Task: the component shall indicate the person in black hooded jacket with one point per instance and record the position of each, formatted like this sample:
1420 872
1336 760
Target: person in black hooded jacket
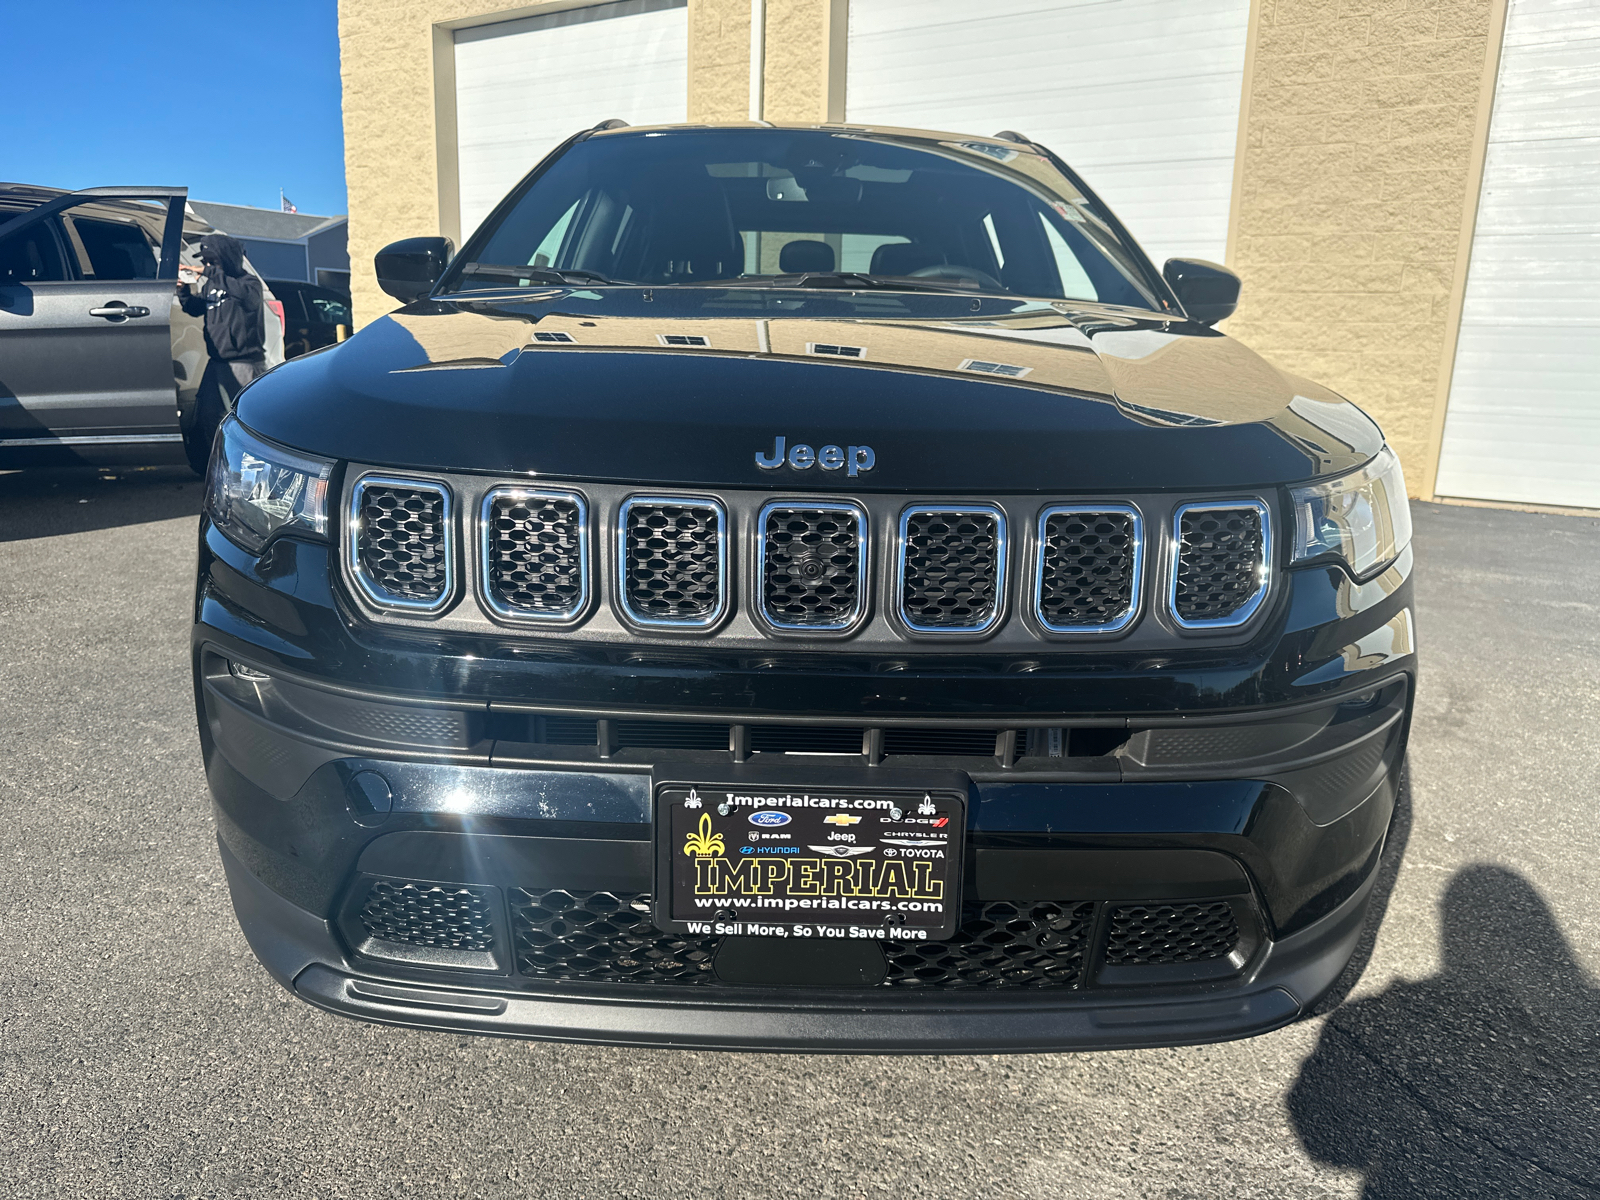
230 299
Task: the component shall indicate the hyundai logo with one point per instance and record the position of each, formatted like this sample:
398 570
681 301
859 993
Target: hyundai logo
770 818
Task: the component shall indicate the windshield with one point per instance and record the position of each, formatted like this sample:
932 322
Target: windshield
805 208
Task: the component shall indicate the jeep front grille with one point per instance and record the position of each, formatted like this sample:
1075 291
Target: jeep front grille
535 554
1089 567
401 543
812 565
757 568
1219 572
673 562
952 568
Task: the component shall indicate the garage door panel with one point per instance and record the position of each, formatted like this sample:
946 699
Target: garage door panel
1141 96
1523 421
523 87
1553 185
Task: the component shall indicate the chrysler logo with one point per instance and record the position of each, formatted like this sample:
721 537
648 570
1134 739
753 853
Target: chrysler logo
854 459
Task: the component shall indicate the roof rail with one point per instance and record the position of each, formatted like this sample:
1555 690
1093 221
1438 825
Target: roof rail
1011 135
612 123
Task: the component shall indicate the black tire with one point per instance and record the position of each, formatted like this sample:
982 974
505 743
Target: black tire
203 430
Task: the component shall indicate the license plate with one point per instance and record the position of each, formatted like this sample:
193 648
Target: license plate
808 862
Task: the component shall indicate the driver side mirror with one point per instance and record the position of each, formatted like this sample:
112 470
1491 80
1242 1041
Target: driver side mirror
1208 291
409 268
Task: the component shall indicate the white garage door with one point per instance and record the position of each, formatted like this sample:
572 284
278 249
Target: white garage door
1524 416
1141 97
523 87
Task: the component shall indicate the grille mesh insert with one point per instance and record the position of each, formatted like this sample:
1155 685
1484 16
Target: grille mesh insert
403 542
1220 555
602 936
673 561
899 739
952 569
999 945
1170 933
534 554
811 567
1088 564
445 917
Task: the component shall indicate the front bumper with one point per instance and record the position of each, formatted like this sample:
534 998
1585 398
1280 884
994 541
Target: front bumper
303 952
1255 792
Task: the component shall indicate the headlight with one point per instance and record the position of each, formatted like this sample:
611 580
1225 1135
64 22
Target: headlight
1362 518
257 490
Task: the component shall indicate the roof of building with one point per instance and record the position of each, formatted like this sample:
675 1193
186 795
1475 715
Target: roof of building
241 220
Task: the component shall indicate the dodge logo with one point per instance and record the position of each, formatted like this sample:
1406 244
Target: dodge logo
855 459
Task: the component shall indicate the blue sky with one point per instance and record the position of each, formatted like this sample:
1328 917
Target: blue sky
235 98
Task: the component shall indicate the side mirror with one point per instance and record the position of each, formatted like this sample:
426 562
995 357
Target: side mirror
409 268
1208 291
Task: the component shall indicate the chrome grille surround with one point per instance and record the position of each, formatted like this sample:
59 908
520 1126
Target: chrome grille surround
1247 608
625 561
1134 571
998 570
357 540
488 590
859 566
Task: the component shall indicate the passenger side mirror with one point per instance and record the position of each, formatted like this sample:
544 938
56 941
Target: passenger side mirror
409 268
1208 291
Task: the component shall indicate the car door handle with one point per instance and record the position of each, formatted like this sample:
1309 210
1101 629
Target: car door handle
118 310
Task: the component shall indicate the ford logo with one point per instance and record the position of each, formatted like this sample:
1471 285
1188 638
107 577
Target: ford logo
770 818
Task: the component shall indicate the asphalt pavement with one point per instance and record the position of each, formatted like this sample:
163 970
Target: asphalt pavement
143 1053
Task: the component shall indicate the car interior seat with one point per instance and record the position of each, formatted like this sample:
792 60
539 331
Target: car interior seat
804 256
902 258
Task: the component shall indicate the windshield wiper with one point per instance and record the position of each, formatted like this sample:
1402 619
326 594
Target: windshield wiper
845 280
535 274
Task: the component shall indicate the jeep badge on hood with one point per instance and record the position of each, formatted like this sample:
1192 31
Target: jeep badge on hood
855 459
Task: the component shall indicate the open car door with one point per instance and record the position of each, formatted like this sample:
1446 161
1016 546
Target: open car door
87 286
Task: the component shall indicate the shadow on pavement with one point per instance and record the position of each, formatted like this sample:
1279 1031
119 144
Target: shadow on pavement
1481 1081
51 501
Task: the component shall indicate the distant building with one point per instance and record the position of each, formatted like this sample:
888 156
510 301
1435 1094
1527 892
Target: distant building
284 245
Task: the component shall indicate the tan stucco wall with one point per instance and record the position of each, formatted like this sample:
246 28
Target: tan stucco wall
719 60
386 65
1362 148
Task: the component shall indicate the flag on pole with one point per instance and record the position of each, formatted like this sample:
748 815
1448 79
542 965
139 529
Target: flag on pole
284 203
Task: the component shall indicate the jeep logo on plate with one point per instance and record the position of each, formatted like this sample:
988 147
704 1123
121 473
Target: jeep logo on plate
855 459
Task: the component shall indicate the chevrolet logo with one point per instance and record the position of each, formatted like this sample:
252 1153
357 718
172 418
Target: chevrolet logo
841 819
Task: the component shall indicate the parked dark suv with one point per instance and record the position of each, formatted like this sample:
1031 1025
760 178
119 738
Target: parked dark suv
807 588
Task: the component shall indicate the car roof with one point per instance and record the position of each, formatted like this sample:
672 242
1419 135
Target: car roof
886 131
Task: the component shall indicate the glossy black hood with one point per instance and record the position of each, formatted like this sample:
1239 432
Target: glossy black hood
950 393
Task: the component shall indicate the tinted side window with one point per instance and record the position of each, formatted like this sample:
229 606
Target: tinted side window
328 310
115 250
31 256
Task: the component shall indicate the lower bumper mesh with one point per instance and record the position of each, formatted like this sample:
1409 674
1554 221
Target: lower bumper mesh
602 936
999 945
437 916
610 937
1170 933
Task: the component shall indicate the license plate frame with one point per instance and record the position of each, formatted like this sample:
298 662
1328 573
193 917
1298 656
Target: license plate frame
713 841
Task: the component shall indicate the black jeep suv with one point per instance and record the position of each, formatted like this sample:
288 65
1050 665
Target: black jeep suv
806 588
